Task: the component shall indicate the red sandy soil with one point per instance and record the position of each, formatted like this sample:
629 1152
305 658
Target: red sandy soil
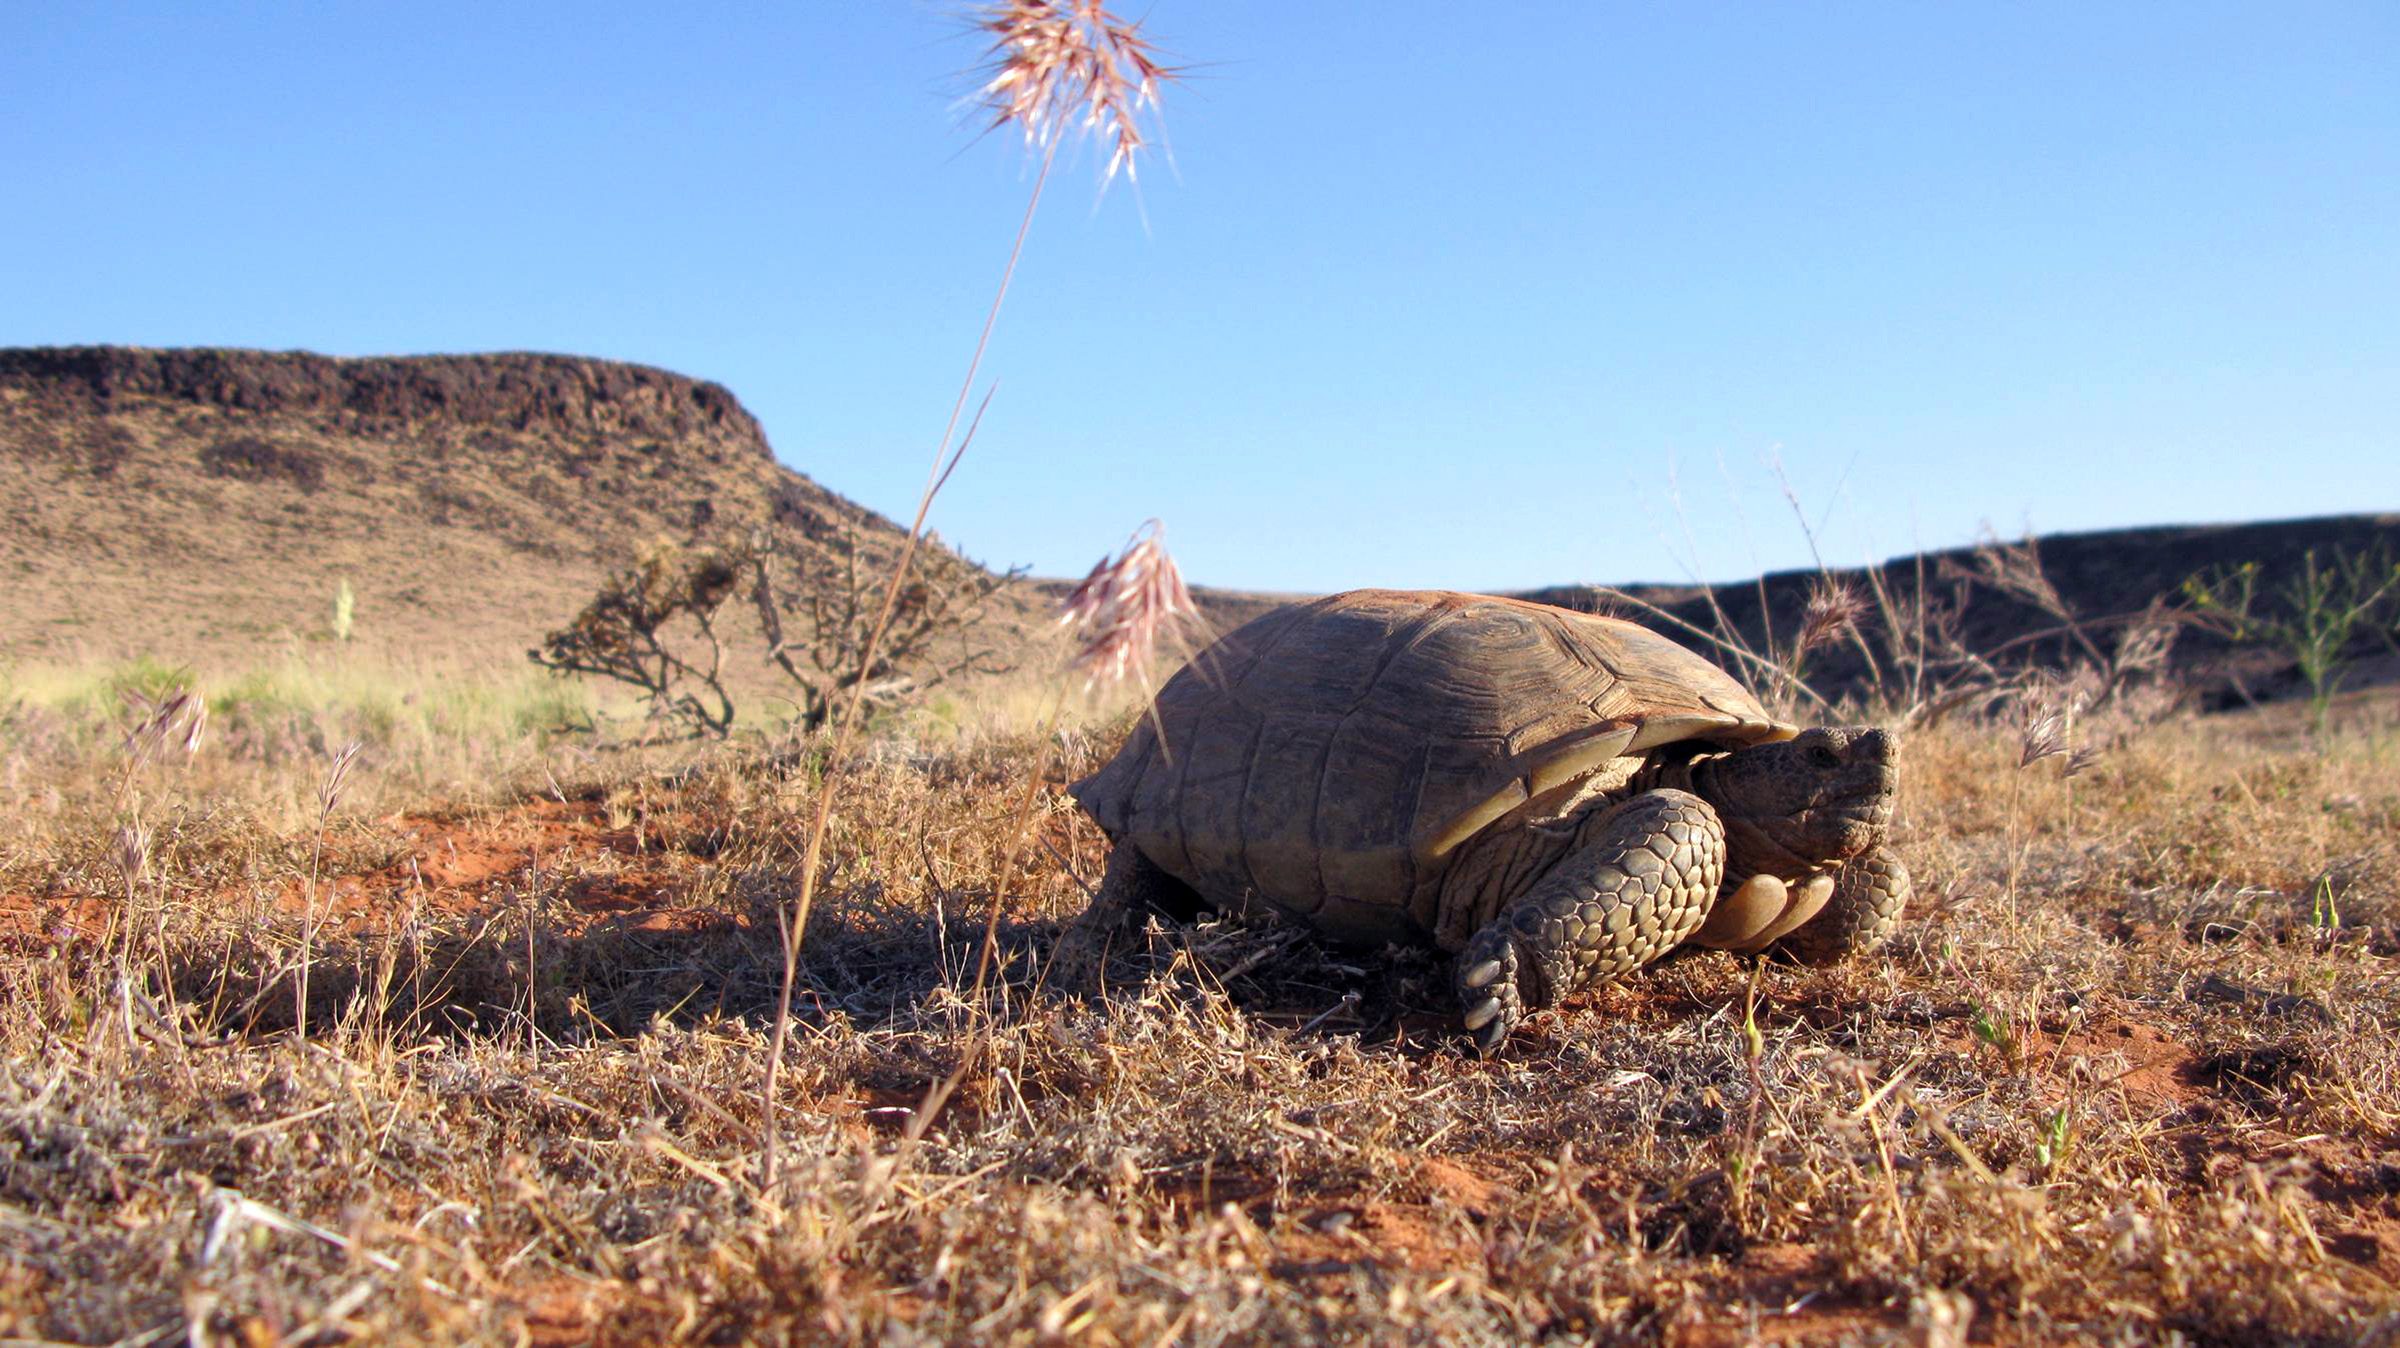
640 875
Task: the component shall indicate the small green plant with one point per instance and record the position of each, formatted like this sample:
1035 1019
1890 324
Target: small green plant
2313 616
2054 1138
1996 1033
2324 908
345 605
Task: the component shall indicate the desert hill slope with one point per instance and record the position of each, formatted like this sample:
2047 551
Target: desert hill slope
203 507
198 505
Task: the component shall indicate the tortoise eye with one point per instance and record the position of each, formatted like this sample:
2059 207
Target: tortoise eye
1822 757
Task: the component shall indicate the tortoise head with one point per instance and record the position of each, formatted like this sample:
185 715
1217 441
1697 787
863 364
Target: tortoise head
1804 803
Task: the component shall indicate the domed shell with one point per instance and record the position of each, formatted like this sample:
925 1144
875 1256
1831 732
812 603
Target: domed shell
1330 756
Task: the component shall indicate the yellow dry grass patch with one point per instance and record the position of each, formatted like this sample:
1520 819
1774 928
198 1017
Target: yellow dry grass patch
2128 1072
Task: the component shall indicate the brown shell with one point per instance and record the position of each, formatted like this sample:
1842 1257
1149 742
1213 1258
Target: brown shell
1329 756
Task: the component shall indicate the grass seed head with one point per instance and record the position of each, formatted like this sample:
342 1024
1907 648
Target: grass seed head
132 853
2045 736
178 719
1834 609
1057 66
2050 711
1125 607
329 795
2015 569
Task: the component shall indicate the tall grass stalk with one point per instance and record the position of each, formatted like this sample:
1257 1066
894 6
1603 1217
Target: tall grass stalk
329 796
175 720
1056 65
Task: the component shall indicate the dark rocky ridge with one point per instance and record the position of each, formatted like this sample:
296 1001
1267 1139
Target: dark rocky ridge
2104 578
2101 575
520 391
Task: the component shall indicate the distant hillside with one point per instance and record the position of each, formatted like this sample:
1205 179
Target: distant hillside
203 505
2101 577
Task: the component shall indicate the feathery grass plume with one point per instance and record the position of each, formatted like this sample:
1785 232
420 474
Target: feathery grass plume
2015 569
329 795
175 720
2143 645
1834 609
1062 65
132 853
179 718
2049 729
2044 734
1125 607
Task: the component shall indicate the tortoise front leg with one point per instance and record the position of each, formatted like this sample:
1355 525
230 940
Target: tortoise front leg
1642 880
1131 889
1869 892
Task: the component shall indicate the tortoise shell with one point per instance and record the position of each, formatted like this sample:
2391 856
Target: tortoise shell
1330 757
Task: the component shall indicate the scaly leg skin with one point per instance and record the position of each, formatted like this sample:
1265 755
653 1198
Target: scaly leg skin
1643 880
1868 894
1132 888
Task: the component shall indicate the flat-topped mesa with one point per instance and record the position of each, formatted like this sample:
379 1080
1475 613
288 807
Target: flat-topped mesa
524 391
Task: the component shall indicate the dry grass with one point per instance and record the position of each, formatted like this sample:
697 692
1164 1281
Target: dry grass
462 541
1126 608
1061 67
2128 1073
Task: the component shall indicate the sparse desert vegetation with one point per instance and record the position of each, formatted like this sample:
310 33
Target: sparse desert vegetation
361 982
2128 1072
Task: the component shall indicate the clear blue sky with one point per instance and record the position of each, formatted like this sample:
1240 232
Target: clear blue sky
1431 294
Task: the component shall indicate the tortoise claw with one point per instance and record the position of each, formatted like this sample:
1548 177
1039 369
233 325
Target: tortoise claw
1488 1039
1489 999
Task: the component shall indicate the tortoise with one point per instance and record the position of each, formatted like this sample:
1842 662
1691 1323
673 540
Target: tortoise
1555 798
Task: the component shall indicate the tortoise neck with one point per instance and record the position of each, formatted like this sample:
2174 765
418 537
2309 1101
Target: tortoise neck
1672 768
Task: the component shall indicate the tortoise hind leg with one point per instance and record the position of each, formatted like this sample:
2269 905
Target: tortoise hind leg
1641 879
1131 889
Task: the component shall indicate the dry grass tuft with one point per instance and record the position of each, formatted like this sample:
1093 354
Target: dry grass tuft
2130 1072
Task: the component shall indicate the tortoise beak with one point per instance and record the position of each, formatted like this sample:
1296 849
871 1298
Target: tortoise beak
1879 751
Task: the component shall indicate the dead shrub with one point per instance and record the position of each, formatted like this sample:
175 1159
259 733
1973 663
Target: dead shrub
653 627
